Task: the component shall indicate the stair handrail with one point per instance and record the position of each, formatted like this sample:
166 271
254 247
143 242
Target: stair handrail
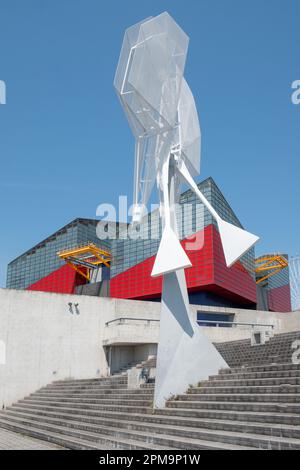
224 322
122 320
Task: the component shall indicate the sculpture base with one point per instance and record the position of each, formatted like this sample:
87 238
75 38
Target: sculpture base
185 355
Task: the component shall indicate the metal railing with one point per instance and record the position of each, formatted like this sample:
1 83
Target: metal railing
122 320
217 323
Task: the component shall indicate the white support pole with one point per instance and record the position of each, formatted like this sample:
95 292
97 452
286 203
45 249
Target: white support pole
170 256
190 181
185 355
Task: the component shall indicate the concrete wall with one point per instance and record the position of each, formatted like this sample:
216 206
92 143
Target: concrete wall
45 341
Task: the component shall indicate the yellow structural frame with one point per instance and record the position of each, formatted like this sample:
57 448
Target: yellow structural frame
271 265
84 259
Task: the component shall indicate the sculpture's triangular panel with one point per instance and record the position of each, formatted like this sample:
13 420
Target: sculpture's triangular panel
170 256
235 241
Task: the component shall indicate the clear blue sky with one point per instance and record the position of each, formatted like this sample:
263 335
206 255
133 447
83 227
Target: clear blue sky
65 145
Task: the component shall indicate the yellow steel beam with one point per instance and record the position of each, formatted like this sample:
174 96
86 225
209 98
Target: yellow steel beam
271 265
86 275
84 249
89 253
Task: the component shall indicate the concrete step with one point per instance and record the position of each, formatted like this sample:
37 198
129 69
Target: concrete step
241 397
148 385
78 389
109 378
249 382
163 435
240 389
272 407
137 408
256 415
185 415
113 384
126 394
89 406
286 335
264 368
119 439
253 363
263 350
101 401
142 422
95 381
95 388
256 375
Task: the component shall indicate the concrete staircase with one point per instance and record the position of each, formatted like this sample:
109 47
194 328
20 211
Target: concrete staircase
277 350
124 369
148 363
240 408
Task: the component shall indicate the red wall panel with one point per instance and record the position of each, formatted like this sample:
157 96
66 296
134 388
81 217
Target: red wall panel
236 279
279 299
62 281
208 272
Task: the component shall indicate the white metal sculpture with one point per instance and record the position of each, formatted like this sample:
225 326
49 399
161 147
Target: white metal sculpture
161 111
